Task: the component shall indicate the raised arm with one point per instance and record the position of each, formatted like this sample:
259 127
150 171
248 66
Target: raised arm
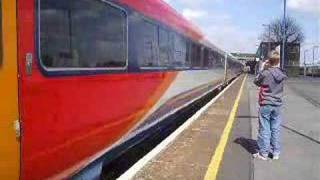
259 78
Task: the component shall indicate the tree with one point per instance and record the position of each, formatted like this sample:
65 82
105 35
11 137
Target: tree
294 33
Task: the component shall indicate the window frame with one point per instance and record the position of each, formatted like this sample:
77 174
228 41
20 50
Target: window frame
189 52
206 57
185 41
170 31
76 70
156 25
198 55
167 31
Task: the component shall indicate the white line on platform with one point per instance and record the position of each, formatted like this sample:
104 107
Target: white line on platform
130 173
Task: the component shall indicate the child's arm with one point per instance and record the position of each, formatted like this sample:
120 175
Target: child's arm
259 79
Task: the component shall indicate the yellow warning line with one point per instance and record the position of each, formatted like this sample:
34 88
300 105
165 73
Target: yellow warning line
214 165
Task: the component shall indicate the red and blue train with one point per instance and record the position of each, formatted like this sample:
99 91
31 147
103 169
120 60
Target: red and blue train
82 79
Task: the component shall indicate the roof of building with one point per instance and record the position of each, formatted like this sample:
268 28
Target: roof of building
244 55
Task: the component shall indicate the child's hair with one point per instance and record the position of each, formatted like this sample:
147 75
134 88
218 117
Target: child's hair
274 58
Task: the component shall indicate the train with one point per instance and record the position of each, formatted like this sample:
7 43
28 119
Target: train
84 80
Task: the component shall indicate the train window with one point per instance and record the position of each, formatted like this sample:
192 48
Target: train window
180 51
199 56
164 48
82 34
189 53
196 56
217 62
211 59
205 57
148 44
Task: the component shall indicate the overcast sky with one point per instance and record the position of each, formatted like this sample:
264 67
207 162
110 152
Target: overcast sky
235 25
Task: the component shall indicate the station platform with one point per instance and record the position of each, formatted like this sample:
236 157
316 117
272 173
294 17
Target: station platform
218 141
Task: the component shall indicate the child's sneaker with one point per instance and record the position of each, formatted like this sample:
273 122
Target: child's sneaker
275 156
259 156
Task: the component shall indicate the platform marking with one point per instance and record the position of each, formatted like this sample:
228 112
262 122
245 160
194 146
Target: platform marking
214 165
130 173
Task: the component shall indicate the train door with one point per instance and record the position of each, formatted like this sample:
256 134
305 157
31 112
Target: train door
9 124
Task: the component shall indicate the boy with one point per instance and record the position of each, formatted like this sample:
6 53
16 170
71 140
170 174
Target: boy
270 80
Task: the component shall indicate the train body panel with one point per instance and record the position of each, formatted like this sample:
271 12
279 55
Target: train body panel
85 88
184 87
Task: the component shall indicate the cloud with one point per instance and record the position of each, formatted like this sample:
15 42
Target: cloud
220 29
187 3
217 25
230 37
192 14
306 6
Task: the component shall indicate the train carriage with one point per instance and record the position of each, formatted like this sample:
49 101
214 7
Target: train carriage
81 78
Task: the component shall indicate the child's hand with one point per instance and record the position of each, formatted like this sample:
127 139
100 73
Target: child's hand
266 65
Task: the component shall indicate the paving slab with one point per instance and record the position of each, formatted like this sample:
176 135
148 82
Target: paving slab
302 97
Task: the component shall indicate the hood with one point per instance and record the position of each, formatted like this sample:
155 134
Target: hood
278 74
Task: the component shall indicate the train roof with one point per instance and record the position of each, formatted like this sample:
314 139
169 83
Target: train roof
161 11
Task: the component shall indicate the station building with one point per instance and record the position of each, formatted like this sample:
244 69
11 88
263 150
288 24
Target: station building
247 59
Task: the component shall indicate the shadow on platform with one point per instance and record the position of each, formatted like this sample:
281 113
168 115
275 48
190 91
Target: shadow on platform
248 144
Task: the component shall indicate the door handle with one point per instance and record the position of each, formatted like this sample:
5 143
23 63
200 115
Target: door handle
29 59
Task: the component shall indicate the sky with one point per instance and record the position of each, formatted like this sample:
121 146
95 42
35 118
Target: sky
236 25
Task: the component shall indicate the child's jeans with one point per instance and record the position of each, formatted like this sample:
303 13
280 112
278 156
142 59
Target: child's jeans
269 130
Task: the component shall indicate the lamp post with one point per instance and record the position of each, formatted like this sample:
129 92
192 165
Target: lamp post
269 36
225 67
304 63
313 65
284 33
